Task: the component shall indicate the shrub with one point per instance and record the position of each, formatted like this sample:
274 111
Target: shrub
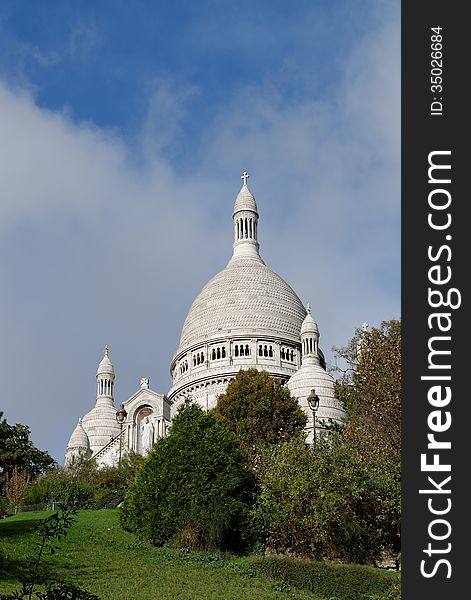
321 502
84 485
193 488
336 582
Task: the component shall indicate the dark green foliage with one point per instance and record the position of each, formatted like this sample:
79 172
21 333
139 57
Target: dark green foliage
193 488
84 486
336 582
56 590
16 449
320 502
260 411
371 391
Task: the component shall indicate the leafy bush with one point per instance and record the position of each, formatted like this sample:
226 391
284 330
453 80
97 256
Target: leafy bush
321 502
336 582
83 485
193 489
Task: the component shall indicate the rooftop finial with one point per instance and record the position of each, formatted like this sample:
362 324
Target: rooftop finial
245 176
309 307
107 350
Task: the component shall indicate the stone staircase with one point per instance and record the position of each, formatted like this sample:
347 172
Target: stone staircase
111 445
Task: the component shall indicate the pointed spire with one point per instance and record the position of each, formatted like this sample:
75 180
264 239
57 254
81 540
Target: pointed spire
105 366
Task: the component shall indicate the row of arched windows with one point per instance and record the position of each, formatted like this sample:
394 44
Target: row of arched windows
287 354
246 228
218 353
241 350
265 351
198 359
183 367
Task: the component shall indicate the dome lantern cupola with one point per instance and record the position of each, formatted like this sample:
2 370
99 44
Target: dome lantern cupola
310 338
105 379
245 218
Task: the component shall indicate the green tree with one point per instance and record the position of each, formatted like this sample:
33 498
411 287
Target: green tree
371 392
318 502
16 487
193 489
259 410
343 498
17 450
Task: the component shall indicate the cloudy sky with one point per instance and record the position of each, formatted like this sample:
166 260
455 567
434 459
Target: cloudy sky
124 129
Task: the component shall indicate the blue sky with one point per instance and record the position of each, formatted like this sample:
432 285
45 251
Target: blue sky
124 128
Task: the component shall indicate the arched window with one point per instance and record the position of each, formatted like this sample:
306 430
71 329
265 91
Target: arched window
218 353
292 356
236 350
265 351
270 352
260 351
282 354
194 361
310 344
247 350
213 354
223 352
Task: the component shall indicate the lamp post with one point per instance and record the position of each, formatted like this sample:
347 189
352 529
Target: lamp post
121 415
313 401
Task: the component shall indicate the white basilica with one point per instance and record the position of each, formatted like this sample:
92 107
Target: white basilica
245 316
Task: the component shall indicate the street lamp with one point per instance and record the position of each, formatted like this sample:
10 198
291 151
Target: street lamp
313 401
121 415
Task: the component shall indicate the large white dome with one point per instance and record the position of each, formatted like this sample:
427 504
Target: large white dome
245 297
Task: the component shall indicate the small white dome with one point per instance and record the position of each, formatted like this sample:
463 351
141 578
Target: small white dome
100 425
105 367
245 201
312 376
309 325
79 438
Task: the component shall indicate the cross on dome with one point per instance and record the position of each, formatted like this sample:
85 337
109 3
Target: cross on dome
245 176
309 307
107 350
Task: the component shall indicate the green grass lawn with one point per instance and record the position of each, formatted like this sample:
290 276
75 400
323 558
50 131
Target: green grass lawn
102 558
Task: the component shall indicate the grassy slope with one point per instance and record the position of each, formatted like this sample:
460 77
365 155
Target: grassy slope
105 560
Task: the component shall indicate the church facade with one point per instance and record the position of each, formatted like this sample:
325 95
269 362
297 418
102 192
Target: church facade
246 316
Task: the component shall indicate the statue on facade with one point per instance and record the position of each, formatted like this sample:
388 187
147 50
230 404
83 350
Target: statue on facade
147 435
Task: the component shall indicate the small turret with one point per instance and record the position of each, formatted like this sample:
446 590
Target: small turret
105 379
245 218
310 338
